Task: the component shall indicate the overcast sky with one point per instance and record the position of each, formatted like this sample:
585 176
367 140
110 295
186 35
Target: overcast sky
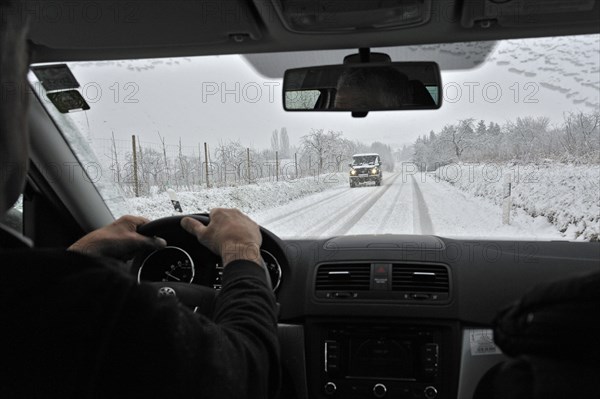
184 97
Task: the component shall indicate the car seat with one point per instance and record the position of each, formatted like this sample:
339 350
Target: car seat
552 335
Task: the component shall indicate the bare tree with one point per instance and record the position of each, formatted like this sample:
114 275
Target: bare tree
342 151
385 152
115 161
284 143
459 137
275 141
165 159
525 136
581 133
184 166
322 145
232 156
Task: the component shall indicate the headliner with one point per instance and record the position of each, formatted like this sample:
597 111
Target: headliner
64 30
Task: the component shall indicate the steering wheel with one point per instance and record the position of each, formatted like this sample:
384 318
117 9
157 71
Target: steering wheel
185 268
198 297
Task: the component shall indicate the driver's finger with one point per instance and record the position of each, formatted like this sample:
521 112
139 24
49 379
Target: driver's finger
140 220
143 220
155 242
131 222
130 247
193 226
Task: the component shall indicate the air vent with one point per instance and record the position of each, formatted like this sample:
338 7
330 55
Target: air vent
343 277
430 279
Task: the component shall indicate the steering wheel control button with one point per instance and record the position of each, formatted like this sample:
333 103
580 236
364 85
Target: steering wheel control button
330 388
166 291
379 390
430 392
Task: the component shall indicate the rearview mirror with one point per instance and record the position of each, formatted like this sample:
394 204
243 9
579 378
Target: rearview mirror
363 87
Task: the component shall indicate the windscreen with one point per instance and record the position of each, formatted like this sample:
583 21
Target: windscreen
364 159
513 152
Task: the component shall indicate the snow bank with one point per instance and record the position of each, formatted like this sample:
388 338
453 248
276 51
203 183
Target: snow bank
248 198
567 195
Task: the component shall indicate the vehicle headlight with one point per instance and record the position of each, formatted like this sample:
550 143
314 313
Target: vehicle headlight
374 171
353 172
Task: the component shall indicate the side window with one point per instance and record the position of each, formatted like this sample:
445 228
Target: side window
14 216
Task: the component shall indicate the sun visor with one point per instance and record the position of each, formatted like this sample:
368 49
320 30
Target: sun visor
77 25
449 56
60 86
523 13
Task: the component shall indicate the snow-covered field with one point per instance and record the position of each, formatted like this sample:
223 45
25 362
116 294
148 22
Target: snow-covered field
568 196
550 201
248 198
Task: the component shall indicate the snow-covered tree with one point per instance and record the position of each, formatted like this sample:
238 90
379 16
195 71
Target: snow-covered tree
581 135
527 139
319 144
275 141
385 152
284 143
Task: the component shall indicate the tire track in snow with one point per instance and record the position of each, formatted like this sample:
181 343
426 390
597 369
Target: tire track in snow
421 220
304 208
360 212
322 227
390 211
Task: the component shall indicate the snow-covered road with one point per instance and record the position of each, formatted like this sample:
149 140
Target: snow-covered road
403 204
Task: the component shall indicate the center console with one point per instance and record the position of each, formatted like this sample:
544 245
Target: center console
379 360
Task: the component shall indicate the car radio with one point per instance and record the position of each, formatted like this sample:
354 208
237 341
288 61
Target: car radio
366 361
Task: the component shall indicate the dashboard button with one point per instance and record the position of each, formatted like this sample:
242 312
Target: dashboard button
430 349
429 357
331 356
430 392
330 388
379 390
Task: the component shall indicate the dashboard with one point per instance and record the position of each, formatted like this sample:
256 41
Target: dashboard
386 316
405 316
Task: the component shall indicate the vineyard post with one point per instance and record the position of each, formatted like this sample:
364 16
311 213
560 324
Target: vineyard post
276 165
296 163
248 163
206 161
135 168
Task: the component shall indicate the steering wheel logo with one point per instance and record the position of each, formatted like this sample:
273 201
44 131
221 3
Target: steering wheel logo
166 291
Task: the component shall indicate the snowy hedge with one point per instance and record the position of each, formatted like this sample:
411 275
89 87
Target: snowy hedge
567 195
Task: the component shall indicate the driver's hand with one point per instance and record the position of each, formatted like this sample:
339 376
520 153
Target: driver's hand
119 240
230 234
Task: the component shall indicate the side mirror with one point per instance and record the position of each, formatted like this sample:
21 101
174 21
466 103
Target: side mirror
350 164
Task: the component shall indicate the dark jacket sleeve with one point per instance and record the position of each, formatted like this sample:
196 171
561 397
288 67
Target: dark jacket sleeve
245 348
82 328
233 355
